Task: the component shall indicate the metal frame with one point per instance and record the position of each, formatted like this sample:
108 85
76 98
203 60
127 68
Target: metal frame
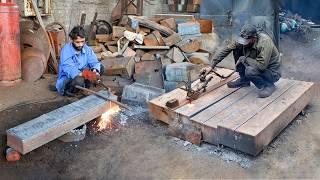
44 7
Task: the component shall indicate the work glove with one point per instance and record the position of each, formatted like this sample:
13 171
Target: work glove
92 76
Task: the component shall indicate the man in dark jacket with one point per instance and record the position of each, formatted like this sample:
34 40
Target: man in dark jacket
257 60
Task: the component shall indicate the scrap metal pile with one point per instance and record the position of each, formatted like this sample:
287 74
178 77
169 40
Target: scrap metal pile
164 51
160 51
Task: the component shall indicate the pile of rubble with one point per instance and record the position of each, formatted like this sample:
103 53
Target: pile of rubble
157 54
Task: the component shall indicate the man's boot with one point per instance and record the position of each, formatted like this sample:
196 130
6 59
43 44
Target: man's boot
241 82
267 91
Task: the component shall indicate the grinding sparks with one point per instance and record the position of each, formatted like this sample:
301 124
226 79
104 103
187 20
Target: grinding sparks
190 105
105 120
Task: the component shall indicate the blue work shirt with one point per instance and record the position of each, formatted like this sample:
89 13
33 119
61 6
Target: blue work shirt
73 63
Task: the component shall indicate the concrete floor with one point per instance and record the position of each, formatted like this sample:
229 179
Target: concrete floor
140 148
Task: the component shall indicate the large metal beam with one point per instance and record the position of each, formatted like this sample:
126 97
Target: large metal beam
39 131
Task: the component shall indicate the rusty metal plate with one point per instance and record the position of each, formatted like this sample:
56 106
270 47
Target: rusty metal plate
149 73
32 35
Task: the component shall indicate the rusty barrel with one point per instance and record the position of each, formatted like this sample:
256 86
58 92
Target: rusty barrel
10 58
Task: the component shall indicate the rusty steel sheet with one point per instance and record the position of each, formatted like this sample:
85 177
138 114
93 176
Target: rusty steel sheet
33 64
149 73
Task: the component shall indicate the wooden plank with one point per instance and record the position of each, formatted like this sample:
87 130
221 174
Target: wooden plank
239 113
189 111
212 85
210 134
158 109
253 136
206 101
39 131
217 107
157 106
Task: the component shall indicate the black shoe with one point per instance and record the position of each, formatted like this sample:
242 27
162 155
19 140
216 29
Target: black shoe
239 83
266 91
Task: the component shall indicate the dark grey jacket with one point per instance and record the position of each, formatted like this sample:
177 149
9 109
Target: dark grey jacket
262 55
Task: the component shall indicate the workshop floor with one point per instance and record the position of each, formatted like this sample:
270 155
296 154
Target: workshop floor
140 148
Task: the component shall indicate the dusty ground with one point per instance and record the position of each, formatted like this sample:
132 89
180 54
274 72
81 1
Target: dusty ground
139 148
301 55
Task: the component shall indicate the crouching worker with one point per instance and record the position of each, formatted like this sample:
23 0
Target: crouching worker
78 64
256 58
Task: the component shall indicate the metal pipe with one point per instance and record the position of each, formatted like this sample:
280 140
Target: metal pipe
103 97
276 28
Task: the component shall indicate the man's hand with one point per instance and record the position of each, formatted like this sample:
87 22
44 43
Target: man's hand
90 75
242 59
206 70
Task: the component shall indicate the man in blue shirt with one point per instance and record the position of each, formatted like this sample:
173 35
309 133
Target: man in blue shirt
76 60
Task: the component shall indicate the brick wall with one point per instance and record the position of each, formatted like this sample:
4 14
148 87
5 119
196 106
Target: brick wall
68 12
